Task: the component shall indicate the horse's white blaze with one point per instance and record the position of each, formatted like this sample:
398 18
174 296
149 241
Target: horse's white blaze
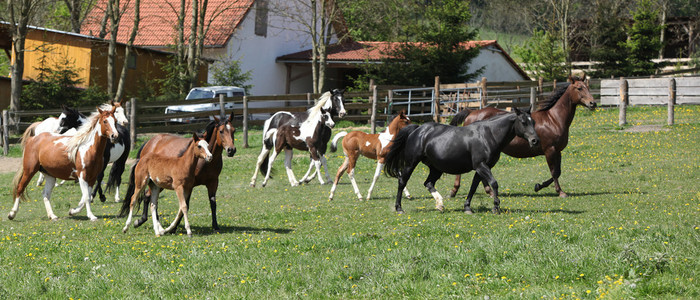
120 116
205 147
112 125
385 137
228 127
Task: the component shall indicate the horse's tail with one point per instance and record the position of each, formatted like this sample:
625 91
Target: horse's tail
268 143
15 183
338 136
28 133
115 174
126 204
395 160
458 119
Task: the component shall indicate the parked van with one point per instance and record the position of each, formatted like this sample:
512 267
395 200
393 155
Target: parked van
207 92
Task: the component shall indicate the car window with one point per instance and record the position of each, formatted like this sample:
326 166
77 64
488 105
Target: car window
197 94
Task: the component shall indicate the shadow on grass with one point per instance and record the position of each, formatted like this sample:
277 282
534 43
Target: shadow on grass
207 230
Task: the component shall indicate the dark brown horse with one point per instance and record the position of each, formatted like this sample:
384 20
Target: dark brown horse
219 135
552 122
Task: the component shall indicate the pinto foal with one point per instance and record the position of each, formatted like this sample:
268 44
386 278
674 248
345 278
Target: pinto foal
165 172
373 146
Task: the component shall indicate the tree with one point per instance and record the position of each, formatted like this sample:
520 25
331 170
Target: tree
370 20
543 56
228 72
440 50
607 32
643 43
77 9
315 19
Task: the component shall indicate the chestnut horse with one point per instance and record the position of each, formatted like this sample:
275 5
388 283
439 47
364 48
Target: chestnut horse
219 135
372 146
65 157
552 122
307 136
166 172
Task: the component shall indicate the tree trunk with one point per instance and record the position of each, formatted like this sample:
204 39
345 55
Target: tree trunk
127 54
191 49
113 8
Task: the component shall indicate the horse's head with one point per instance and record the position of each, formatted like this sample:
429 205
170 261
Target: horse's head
399 122
326 118
225 135
201 148
107 124
70 118
338 105
579 93
525 127
119 113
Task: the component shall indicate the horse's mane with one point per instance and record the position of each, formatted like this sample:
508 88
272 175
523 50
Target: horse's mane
323 102
556 95
210 131
182 152
83 135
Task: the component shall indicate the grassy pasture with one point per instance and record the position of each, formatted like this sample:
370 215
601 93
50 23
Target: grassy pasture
629 228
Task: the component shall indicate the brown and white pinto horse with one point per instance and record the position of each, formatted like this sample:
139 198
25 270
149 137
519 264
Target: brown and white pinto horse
372 146
65 157
552 122
306 136
219 135
166 172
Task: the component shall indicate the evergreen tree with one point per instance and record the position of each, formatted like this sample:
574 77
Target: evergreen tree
643 43
606 35
543 56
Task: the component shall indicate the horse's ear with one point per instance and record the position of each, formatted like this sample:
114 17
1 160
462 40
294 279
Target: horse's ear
100 110
63 107
230 117
518 111
216 119
195 137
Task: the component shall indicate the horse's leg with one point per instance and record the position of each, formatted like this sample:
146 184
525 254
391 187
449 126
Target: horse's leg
181 195
351 174
40 180
316 159
377 171
98 186
211 191
404 176
472 190
138 185
270 160
485 173
263 153
339 174
144 213
554 162
288 154
455 189
308 176
429 183
153 205
48 188
26 176
85 199
324 163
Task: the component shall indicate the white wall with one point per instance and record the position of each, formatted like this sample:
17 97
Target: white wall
498 68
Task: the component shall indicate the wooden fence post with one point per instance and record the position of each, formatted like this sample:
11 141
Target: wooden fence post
5 132
533 99
245 122
222 111
390 101
623 102
436 100
308 98
671 100
484 94
132 123
373 116
540 86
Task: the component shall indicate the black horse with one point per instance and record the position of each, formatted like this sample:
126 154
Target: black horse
456 150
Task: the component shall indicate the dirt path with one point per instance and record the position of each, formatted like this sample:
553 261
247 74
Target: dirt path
9 164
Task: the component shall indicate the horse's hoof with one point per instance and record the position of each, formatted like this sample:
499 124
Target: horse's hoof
103 198
400 212
496 211
563 195
366 199
468 211
453 194
125 229
10 216
70 212
538 187
93 219
441 208
252 184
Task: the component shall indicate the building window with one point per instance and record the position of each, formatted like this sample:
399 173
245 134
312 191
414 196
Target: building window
261 18
131 63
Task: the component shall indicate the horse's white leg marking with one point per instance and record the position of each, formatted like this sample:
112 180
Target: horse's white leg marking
377 172
405 191
317 163
342 169
324 163
50 181
438 201
157 227
288 165
269 167
84 200
13 211
308 176
116 194
261 157
40 180
354 184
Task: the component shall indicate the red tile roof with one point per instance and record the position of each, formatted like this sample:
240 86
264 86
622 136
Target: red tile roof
158 20
361 51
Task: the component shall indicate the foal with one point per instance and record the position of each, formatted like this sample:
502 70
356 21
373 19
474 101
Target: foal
372 146
305 136
165 172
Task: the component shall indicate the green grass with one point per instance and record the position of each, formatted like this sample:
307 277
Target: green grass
630 228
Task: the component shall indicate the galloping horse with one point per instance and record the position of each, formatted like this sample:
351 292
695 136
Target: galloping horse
219 135
552 122
166 172
456 150
307 136
331 101
77 157
116 153
372 146
65 123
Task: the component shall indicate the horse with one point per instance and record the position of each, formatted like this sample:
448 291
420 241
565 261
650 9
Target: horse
219 135
456 150
552 120
331 101
68 119
372 146
77 157
306 136
166 172
116 153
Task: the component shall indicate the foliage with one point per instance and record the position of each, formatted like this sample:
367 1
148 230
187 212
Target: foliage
4 65
439 50
543 56
607 33
228 72
370 20
627 230
176 82
644 43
